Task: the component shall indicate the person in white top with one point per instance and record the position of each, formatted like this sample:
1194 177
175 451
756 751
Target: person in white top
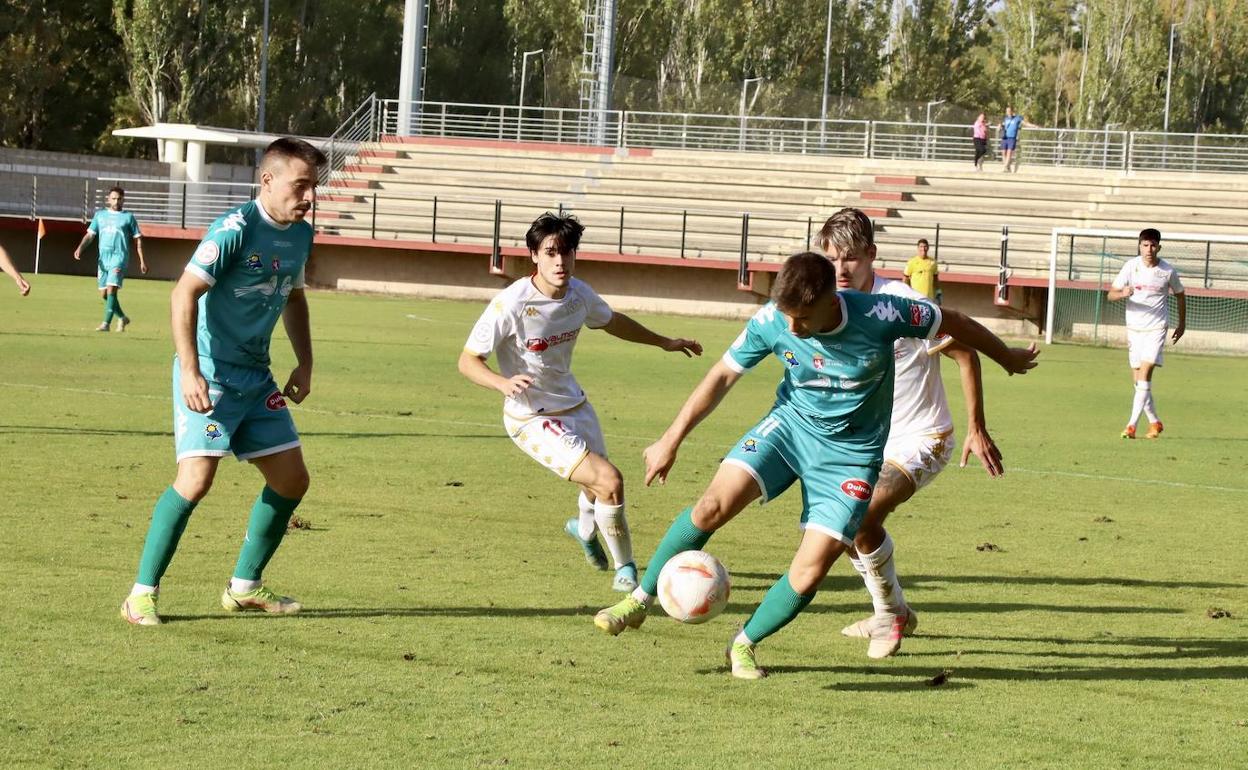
532 326
1146 283
920 444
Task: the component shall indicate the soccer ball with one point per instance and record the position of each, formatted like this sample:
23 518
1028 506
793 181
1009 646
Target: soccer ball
693 587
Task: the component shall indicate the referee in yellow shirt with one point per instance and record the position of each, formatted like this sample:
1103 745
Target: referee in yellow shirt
921 272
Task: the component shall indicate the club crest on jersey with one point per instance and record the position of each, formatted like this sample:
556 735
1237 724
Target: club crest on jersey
750 445
207 253
789 358
858 489
920 314
885 311
818 362
212 431
275 402
254 263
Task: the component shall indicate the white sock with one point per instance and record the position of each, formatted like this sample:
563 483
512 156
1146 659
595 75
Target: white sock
614 528
1150 408
139 588
741 638
640 595
240 586
585 521
1137 406
880 575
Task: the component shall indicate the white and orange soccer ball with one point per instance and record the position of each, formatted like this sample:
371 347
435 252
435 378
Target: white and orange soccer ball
694 587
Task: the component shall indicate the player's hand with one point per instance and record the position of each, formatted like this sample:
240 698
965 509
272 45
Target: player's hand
299 384
1178 333
1020 360
143 267
22 286
659 458
981 444
690 348
1127 291
514 386
195 392
78 253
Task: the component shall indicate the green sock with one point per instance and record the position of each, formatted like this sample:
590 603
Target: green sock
110 307
168 523
117 305
780 605
265 530
683 535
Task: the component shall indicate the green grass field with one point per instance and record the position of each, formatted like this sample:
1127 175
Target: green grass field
448 619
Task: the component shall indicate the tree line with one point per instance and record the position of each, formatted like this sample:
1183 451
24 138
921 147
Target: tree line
80 69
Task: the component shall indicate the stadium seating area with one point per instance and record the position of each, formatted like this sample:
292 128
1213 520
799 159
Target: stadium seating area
675 203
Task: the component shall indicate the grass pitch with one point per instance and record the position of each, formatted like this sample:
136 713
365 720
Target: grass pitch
448 619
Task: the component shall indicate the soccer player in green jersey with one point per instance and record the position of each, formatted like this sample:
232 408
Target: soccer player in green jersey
827 427
115 229
246 273
9 269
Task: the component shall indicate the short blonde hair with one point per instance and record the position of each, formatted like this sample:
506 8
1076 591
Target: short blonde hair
849 230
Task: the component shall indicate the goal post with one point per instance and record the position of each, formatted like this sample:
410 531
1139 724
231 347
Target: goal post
1083 263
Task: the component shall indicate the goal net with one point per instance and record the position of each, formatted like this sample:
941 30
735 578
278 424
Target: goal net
1084 262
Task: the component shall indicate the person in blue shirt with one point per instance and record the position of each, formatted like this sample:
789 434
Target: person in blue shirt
1010 126
246 273
827 427
116 230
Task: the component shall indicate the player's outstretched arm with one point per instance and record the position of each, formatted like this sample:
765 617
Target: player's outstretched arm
661 455
977 441
298 325
972 333
6 264
475 369
87 238
184 305
1180 301
629 330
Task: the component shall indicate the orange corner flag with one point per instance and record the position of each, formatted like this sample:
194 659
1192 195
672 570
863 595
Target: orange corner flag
42 229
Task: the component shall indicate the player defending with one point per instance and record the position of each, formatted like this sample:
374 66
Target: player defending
1145 282
246 273
827 427
9 269
115 229
533 325
920 436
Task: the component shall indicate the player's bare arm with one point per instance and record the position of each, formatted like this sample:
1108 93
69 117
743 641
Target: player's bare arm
9 269
661 455
629 330
185 310
972 333
138 249
478 372
1180 301
299 330
977 441
86 239
1113 295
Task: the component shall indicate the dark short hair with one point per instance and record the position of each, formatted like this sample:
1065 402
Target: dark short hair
117 189
923 241
1150 234
566 228
288 147
803 280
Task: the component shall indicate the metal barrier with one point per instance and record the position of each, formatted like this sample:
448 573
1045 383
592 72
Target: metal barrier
361 126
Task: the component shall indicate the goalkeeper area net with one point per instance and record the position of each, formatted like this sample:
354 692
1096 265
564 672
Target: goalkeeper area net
1213 268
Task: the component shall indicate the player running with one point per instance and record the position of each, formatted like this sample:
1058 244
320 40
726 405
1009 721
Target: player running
533 326
827 427
1145 282
115 229
920 435
246 273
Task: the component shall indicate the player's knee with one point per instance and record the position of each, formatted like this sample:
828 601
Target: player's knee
194 481
295 483
805 578
869 535
710 513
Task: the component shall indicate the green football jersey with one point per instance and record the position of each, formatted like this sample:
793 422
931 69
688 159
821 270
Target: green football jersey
842 380
115 230
251 264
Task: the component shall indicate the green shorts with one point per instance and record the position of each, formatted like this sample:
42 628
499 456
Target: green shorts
838 470
110 271
249 418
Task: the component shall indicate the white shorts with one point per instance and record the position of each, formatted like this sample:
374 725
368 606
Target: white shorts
1146 347
558 441
921 457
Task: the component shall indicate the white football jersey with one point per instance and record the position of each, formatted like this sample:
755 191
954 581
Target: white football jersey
919 403
1147 307
533 334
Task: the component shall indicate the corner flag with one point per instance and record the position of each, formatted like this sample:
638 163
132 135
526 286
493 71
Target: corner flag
42 231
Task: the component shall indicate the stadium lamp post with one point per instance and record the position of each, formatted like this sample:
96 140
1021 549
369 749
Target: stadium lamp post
524 71
927 126
1165 126
745 84
827 55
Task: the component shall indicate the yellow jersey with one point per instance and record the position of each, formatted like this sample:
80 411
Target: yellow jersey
922 274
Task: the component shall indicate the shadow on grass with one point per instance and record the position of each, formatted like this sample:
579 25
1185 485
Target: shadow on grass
399 612
58 430
1156 648
846 582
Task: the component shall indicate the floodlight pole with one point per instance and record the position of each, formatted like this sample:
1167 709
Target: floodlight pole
827 55
524 71
1169 65
264 76
745 84
927 126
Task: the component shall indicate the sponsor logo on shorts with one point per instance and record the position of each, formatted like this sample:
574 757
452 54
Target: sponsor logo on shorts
538 344
789 358
920 314
275 402
569 440
212 431
254 263
207 253
750 445
116 271
857 489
